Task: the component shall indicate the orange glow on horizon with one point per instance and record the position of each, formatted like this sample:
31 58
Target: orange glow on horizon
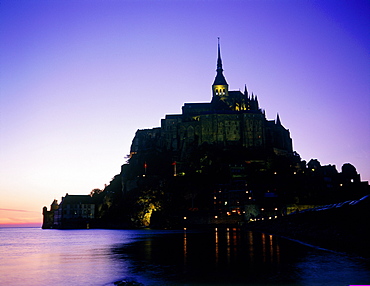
11 217
29 224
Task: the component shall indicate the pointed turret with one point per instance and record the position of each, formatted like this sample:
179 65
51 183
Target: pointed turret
278 120
220 87
256 100
246 92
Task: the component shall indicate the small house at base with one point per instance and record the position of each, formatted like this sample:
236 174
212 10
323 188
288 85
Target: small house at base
74 211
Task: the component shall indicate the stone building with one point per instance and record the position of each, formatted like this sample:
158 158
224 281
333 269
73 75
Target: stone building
48 216
232 118
74 211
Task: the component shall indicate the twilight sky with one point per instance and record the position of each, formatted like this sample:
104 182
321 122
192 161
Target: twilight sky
78 78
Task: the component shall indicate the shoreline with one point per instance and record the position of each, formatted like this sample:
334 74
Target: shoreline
342 230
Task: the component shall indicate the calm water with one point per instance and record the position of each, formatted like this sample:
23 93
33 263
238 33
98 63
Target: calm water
31 256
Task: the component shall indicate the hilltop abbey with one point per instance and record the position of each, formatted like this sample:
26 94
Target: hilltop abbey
220 162
231 119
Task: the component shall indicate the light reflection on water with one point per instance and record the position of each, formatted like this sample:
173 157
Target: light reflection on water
30 256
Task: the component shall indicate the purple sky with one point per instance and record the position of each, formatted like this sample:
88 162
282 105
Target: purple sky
78 78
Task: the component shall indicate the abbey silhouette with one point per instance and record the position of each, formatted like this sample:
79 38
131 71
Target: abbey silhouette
232 118
218 162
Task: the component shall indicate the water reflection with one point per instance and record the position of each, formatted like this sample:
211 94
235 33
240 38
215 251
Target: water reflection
229 256
184 257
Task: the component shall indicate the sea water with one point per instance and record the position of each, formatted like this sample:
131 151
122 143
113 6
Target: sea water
32 256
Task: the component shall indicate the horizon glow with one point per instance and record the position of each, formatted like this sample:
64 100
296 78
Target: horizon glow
78 78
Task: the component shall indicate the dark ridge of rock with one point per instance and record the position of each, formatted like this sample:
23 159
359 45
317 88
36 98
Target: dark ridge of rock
343 229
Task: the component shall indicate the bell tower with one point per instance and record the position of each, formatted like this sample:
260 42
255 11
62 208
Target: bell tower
220 88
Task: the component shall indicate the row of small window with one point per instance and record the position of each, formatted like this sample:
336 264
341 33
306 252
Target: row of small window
78 206
76 212
220 91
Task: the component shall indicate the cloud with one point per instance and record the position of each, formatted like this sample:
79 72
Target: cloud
13 210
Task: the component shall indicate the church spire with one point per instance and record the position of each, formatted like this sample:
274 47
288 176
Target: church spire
220 79
219 61
220 88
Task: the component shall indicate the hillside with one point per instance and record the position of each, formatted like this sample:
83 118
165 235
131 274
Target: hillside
341 228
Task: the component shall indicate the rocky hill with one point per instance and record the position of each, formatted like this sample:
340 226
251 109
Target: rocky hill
342 227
